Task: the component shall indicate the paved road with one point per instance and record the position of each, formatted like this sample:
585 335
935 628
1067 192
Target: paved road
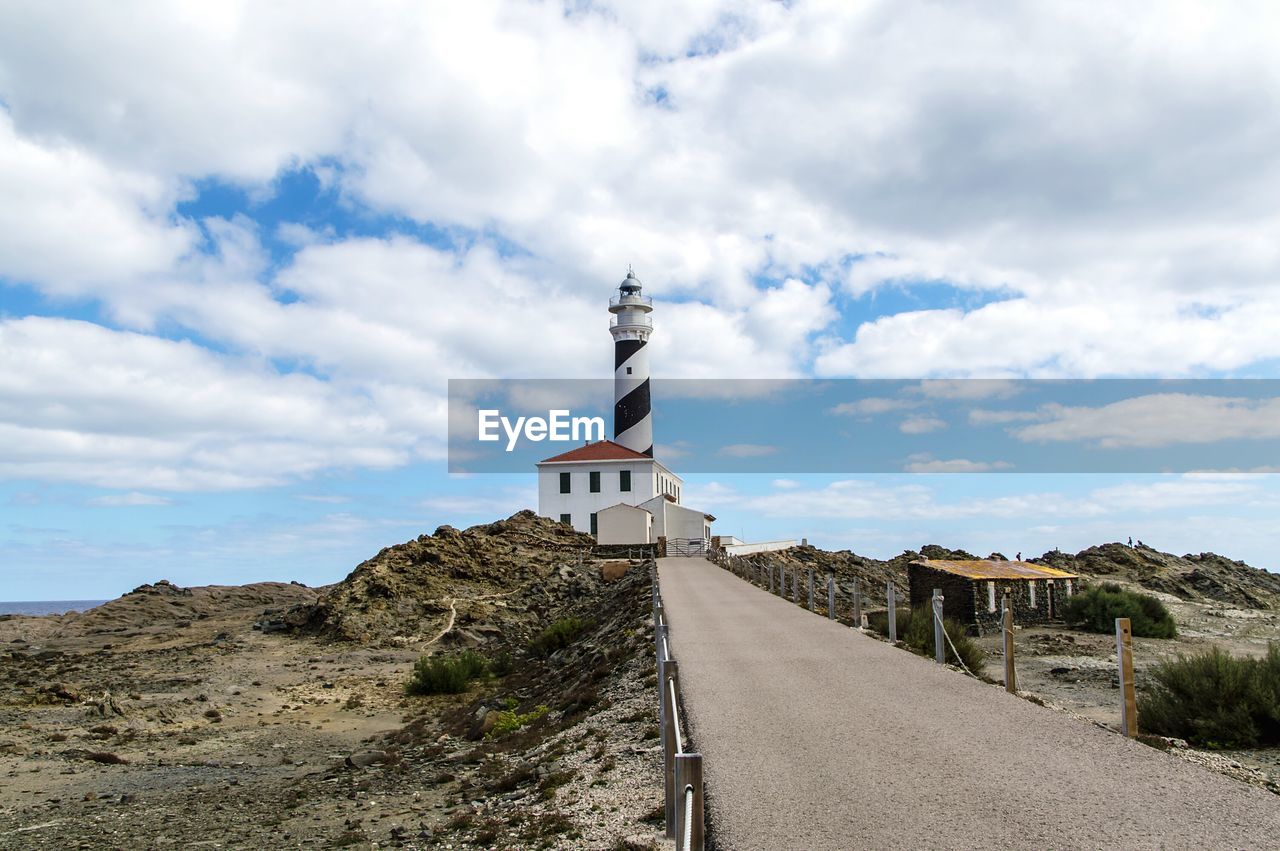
815 736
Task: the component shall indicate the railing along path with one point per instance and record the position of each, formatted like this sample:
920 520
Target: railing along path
682 771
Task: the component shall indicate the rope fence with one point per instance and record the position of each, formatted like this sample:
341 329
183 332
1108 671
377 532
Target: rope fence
773 578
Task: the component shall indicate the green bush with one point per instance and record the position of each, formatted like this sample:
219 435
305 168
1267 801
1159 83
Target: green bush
915 629
918 636
1215 700
509 720
446 674
1096 608
559 635
879 622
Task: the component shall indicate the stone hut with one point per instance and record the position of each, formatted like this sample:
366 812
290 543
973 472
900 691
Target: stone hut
974 590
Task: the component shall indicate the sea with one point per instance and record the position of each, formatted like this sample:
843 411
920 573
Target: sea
46 607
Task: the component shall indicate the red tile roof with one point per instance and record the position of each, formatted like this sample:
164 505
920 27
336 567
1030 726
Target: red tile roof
601 450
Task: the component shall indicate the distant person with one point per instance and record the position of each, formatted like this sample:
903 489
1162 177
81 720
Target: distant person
1130 540
1019 556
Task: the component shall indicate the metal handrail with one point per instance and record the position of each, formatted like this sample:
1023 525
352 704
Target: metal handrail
675 720
686 841
682 771
623 300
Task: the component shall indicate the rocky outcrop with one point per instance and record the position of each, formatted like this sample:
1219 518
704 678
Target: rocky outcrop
1203 577
1207 576
464 587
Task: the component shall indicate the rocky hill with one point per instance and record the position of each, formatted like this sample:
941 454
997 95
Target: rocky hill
1207 576
1204 577
464 587
158 610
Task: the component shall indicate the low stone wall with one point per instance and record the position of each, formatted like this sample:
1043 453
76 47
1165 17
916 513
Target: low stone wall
762 547
635 551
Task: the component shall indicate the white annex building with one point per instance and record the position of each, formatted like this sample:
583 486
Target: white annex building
615 489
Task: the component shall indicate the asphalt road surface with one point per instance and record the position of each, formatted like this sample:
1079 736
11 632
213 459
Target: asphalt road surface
815 736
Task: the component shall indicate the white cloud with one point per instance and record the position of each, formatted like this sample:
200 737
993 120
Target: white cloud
1159 419
869 499
967 389
980 416
747 450
74 226
927 464
1110 177
921 425
116 409
134 498
502 504
671 451
873 405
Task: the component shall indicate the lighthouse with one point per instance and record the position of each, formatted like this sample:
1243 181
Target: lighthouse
631 327
615 489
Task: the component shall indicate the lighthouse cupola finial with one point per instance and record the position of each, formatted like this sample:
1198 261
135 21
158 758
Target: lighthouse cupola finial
631 327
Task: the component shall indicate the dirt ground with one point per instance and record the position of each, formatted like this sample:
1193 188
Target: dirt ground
226 734
166 719
1077 671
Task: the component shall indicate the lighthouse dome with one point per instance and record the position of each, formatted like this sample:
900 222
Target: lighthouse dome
630 284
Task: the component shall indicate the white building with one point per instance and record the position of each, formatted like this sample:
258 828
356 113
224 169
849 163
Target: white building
580 485
674 521
575 486
624 524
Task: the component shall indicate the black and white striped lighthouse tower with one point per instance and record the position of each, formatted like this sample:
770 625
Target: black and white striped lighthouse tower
631 327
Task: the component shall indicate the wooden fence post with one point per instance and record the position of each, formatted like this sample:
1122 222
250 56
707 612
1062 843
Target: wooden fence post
811 607
939 640
795 585
893 611
689 775
1010 675
669 745
1129 704
831 596
857 604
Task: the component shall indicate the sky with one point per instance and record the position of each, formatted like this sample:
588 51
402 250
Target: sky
244 247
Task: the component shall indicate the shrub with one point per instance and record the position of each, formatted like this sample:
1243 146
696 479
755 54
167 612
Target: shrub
1215 700
1096 608
915 629
879 622
446 674
918 636
509 721
559 635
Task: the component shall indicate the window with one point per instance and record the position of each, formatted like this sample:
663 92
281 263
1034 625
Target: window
567 519
564 483
624 480
594 485
991 596
594 526
1031 590
628 370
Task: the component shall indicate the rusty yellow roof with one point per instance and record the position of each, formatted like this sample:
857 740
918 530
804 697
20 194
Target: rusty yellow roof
984 569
